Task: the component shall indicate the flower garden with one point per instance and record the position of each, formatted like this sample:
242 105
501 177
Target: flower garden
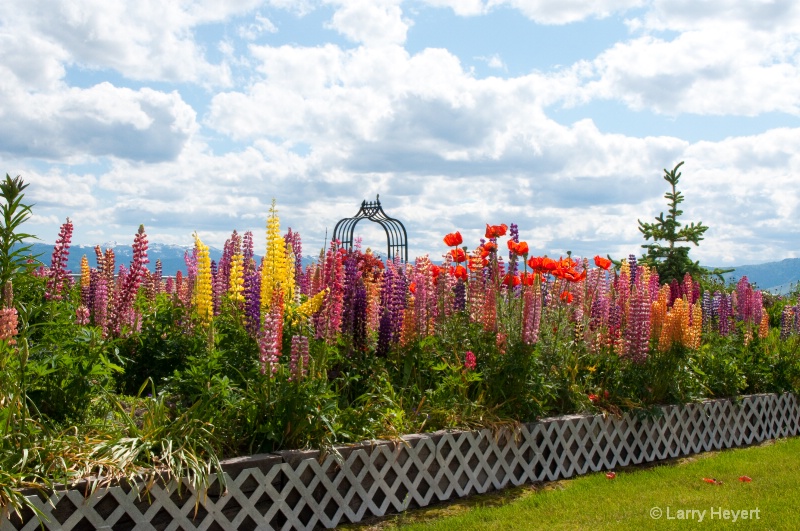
125 370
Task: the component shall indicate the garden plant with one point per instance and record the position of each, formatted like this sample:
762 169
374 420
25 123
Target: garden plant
125 371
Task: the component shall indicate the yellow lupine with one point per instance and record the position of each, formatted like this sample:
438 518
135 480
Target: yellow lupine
86 275
202 296
236 284
310 307
275 267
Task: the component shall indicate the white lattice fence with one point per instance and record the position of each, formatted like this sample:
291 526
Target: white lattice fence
295 490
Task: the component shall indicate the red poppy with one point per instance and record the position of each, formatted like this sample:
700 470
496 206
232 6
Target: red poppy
592 397
566 296
490 246
458 255
453 239
549 265
602 263
435 270
528 279
459 272
412 287
511 280
495 231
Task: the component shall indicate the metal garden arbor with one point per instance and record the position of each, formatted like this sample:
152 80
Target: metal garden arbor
397 239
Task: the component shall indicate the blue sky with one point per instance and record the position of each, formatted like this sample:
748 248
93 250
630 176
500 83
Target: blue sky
557 116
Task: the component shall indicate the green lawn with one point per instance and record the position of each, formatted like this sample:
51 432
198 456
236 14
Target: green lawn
656 497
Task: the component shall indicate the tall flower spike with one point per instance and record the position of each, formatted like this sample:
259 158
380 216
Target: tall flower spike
203 289
58 266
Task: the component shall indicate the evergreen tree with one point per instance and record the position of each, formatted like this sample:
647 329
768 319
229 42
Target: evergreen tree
671 260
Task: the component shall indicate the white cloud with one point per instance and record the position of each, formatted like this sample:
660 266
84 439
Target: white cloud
99 121
370 22
566 11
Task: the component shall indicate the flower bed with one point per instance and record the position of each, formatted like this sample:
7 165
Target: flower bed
296 490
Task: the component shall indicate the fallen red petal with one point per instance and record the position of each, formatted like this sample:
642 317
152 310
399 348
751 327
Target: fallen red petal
611 475
746 479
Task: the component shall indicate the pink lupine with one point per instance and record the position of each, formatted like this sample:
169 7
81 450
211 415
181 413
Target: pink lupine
57 275
298 363
470 363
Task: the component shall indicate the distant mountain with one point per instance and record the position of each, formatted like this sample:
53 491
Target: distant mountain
171 255
777 277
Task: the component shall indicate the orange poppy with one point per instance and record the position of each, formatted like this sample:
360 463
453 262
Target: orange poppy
495 231
458 255
602 263
412 287
519 248
535 263
490 246
459 272
453 239
528 279
511 280
566 296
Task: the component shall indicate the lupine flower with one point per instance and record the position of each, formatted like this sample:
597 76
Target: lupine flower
272 337
8 325
203 289
275 272
252 297
470 363
57 275
298 361
82 315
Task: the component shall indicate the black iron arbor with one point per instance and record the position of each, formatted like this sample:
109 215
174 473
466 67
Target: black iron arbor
396 237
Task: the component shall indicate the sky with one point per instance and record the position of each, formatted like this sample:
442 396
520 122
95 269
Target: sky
561 117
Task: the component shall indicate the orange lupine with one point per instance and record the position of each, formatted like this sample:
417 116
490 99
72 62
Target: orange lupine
602 263
495 231
453 239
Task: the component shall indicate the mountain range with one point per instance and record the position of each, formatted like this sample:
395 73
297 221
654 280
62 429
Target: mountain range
776 277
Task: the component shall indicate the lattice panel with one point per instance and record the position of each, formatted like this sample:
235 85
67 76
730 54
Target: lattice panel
297 490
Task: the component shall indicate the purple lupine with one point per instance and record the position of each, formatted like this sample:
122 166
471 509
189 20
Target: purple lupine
459 296
637 329
58 274
247 247
513 235
219 286
354 304
252 296
634 268
724 313
393 296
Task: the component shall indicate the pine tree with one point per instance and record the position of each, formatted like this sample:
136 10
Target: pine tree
672 260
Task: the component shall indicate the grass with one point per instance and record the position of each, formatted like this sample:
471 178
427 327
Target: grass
627 501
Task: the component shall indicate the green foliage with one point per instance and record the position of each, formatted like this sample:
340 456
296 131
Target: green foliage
672 260
13 213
